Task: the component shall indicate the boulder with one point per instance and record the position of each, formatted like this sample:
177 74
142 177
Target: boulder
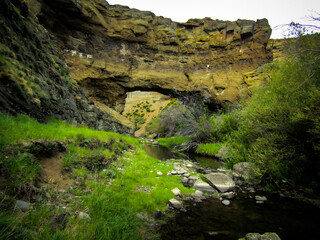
244 170
203 186
220 181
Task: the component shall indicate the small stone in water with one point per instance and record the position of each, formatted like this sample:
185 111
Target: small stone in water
260 198
228 195
226 202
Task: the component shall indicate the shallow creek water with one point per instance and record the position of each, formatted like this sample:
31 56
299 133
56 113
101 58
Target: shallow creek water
289 218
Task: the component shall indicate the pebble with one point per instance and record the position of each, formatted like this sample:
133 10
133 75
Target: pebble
159 173
175 203
84 216
228 195
22 205
226 202
176 191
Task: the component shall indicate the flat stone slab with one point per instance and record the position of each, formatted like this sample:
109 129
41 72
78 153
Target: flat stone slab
203 186
221 181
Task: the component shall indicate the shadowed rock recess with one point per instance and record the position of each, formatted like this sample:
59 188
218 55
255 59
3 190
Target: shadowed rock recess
110 50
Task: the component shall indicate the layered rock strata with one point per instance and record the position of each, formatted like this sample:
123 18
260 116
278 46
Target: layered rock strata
112 50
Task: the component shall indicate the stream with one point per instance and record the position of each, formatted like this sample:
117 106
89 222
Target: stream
289 218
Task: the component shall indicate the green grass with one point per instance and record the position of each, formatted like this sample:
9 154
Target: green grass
172 141
14 129
114 197
209 149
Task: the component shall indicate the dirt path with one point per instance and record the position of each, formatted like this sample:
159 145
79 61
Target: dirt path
52 170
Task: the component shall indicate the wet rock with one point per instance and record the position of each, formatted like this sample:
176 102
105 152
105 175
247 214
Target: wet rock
176 192
23 206
228 195
203 186
257 236
198 196
223 170
84 216
175 203
220 181
260 198
213 233
225 202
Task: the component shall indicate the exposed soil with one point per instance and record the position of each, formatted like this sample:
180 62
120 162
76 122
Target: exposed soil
52 171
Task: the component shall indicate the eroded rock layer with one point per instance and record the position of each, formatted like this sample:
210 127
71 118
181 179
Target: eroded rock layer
33 77
112 50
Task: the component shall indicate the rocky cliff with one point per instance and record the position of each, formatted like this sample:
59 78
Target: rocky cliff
112 50
34 78
83 58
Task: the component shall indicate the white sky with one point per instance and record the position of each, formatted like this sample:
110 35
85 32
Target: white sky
276 11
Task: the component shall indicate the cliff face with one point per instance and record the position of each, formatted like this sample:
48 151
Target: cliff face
112 50
33 77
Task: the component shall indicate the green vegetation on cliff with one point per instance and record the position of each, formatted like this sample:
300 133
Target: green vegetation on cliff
277 129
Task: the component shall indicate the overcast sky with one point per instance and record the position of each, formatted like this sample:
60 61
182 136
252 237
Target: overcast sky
278 12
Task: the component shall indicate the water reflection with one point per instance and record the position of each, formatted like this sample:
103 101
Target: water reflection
289 218
163 153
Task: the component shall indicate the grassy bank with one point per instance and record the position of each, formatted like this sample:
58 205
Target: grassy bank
112 180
